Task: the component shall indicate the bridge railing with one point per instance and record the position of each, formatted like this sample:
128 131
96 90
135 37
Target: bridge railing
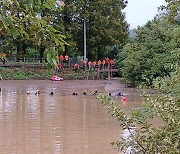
70 63
25 60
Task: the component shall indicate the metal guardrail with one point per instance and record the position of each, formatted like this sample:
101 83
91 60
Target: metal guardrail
39 63
22 65
25 60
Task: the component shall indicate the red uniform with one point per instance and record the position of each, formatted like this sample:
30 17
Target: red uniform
111 61
99 62
103 62
61 57
66 57
83 61
94 63
76 66
107 60
59 65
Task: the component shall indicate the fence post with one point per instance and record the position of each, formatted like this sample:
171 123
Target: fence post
109 76
69 63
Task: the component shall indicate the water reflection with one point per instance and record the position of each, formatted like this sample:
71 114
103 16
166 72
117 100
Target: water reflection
59 123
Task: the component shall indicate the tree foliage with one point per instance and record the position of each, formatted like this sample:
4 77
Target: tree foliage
173 10
31 21
152 58
144 137
43 24
150 55
105 24
30 24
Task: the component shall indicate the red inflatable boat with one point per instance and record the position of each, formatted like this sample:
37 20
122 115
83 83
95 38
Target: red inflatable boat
56 78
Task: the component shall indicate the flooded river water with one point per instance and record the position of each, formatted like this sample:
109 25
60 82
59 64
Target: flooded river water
59 123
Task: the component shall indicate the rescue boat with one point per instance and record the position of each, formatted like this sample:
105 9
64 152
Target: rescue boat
56 78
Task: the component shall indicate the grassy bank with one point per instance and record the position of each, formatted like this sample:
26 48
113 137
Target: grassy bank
23 73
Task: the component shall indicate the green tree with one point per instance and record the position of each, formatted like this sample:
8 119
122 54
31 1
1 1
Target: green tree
144 137
172 10
112 52
31 24
71 27
155 48
105 24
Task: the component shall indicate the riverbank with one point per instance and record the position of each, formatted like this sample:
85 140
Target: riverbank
24 73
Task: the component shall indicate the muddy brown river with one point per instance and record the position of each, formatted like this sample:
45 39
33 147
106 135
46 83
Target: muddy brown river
60 123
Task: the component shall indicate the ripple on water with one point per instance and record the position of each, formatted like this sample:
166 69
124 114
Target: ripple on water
61 123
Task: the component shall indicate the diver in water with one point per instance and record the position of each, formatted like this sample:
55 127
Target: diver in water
37 92
95 93
84 93
74 93
119 94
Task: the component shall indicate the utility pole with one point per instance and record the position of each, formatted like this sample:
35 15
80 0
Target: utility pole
85 59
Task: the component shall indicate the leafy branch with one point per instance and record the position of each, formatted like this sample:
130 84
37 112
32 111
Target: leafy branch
144 138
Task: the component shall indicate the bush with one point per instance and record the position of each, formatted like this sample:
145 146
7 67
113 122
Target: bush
144 137
33 53
149 56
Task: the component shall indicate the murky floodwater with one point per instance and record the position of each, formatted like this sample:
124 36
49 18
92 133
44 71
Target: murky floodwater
59 123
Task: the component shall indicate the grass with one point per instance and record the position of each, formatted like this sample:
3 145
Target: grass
23 73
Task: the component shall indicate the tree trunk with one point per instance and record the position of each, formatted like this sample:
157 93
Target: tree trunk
66 50
41 54
24 47
18 52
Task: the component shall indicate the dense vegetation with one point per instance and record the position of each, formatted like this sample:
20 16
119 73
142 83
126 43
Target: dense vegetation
153 51
145 138
152 59
57 27
105 25
151 54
